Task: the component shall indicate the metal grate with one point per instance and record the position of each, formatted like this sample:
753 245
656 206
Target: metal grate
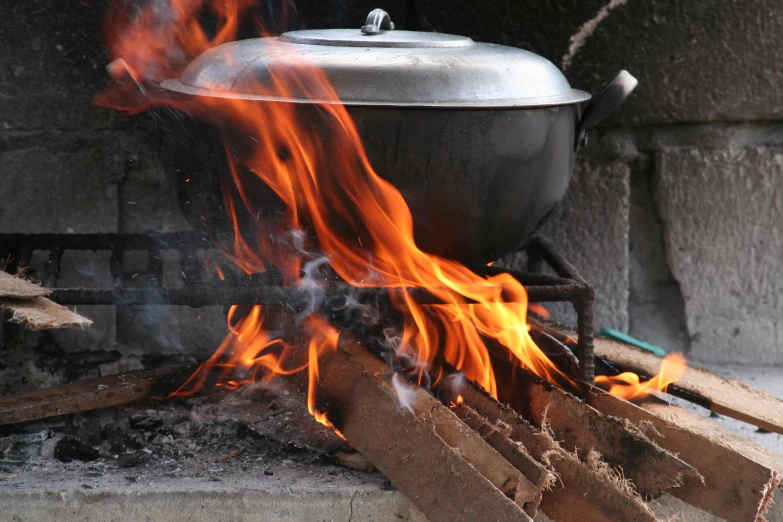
265 289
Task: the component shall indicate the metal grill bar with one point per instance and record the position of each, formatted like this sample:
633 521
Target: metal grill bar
143 241
208 295
264 289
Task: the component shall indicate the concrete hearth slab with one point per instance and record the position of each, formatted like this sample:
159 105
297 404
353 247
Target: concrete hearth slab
293 494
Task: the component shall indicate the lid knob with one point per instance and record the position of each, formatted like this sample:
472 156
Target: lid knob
378 20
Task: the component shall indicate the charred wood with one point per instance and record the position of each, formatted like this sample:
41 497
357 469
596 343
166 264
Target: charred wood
92 394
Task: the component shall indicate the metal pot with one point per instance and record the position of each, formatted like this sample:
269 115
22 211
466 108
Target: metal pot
480 139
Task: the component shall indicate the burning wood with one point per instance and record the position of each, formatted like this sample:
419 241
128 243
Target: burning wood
356 394
447 470
719 394
514 453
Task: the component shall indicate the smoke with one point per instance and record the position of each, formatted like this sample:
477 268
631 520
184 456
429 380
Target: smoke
312 275
455 382
406 395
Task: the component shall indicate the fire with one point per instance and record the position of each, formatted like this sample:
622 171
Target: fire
336 204
628 385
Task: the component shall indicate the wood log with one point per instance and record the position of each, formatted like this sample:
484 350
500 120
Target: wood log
719 394
738 478
424 454
584 491
92 394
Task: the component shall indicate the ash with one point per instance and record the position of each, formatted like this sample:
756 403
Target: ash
262 433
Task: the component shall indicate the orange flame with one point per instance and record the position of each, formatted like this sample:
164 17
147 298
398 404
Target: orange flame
539 310
628 385
358 221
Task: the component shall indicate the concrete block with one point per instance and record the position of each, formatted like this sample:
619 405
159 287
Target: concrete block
725 249
591 229
170 330
166 330
90 270
84 182
696 61
146 202
656 310
60 183
52 65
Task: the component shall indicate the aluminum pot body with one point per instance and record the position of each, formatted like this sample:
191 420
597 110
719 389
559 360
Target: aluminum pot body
478 182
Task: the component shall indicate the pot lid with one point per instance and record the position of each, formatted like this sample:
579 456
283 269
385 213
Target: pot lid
379 66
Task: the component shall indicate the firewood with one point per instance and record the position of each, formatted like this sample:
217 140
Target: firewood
475 450
429 455
39 313
719 394
513 452
17 288
92 394
739 478
582 429
584 491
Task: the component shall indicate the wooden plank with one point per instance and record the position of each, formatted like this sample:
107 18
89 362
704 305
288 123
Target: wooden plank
580 428
584 491
475 450
721 395
511 451
359 398
91 394
18 288
39 313
738 479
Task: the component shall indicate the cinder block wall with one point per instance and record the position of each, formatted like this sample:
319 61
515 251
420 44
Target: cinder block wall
672 214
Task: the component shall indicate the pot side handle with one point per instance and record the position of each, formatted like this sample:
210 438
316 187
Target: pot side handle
605 103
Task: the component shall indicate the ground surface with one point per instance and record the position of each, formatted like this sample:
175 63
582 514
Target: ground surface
244 456
251 456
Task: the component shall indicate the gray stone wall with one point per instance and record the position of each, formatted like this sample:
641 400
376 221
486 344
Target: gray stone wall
700 139
673 212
